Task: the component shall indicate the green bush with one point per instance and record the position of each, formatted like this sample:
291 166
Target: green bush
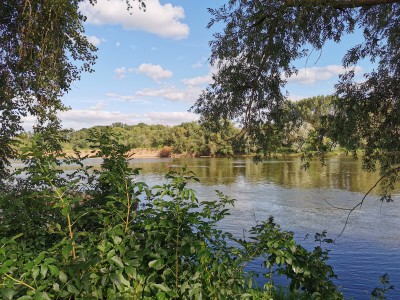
84 235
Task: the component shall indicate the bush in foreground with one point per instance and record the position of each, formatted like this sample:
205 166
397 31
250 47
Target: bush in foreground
82 234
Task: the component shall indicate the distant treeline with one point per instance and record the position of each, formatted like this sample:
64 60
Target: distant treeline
196 139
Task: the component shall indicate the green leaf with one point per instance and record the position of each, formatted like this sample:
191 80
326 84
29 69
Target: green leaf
123 280
117 260
38 259
56 287
161 296
54 270
7 294
117 240
66 250
64 211
41 296
131 271
157 264
161 287
72 289
43 270
35 272
111 253
63 277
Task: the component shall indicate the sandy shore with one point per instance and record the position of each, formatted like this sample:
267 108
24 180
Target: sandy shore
138 152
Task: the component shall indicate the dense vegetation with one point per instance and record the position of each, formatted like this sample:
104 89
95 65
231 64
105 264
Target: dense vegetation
257 48
100 234
195 139
84 235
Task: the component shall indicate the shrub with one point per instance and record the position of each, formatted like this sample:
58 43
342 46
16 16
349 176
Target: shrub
166 151
106 247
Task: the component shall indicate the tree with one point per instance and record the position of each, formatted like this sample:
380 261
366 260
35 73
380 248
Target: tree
255 54
43 49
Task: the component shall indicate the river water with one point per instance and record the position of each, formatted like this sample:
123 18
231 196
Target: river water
302 202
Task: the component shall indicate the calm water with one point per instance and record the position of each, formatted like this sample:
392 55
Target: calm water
370 245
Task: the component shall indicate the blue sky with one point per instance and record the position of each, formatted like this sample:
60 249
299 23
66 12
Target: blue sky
152 65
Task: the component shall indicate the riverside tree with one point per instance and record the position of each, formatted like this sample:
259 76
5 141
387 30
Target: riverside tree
255 54
43 49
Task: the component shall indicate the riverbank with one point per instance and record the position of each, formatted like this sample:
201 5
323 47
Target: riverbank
142 153
168 152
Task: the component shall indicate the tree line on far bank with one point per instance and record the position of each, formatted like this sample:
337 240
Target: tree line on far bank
202 139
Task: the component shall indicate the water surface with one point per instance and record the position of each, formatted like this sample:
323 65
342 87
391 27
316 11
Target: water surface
305 202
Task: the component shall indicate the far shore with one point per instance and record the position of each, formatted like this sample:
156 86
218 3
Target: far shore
139 152
163 153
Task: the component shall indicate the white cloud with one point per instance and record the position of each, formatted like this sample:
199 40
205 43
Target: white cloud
127 98
86 118
117 44
200 63
100 105
161 19
188 93
296 98
156 72
171 93
170 118
77 119
200 80
197 65
309 76
121 72
94 40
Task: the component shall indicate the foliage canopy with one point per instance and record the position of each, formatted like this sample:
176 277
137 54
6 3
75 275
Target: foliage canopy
43 49
255 54
103 234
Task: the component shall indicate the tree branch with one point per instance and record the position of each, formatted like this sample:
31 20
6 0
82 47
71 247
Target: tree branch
394 170
340 3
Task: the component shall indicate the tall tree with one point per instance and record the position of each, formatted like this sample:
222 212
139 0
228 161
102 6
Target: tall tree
255 54
43 49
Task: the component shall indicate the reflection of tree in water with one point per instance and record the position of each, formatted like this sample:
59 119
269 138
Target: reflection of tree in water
339 172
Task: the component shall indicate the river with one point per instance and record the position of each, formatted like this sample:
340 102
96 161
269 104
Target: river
302 202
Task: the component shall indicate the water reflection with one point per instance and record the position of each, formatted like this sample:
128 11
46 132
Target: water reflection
342 173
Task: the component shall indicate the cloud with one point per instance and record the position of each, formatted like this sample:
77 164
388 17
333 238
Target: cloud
94 40
170 118
200 63
85 118
188 93
171 93
295 98
127 98
197 65
197 81
309 76
161 19
121 72
156 72
117 44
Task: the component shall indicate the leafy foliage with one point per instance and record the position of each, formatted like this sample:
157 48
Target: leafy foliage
380 292
80 234
43 49
255 54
